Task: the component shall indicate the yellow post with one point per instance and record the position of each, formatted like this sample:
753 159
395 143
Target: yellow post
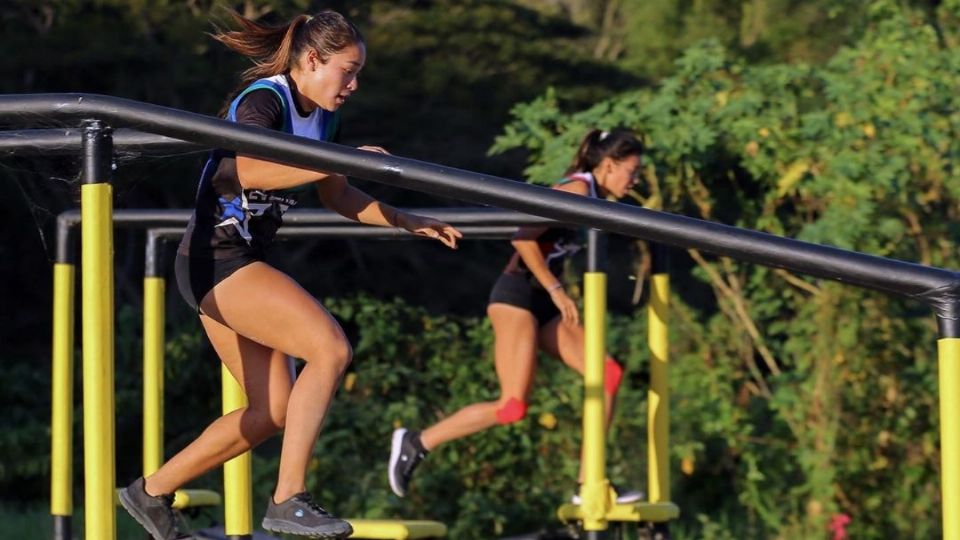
595 491
658 396
237 482
153 342
98 360
949 359
61 423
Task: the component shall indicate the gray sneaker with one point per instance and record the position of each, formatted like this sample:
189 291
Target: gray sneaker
300 515
155 514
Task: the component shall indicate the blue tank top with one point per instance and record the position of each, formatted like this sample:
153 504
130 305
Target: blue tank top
229 221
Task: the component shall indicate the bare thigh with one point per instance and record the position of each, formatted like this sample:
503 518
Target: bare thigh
515 348
265 374
563 341
269 308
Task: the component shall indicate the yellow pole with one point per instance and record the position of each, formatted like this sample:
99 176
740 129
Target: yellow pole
61 423
949 359
595 490
153 342
98 360
237 482
658 397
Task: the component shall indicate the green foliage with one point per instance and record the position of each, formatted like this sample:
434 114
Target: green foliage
792 399
410 369
818 399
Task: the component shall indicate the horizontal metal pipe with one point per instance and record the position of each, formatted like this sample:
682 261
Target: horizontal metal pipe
470 232
937 287
147 218
66 142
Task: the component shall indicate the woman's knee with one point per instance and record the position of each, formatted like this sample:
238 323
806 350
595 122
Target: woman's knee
336 355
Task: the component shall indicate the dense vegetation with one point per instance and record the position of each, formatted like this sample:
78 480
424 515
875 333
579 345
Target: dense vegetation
795 400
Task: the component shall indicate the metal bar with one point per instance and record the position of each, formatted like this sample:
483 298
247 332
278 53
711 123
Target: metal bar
948 349
67 142
96 201
596 251
237 472
595 489
61 423
937 287
471 232
146 218
658 395
154 288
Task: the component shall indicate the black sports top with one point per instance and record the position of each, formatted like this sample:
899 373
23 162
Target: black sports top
556 244
229 221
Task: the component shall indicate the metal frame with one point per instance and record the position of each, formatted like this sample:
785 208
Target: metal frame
238 520
936 287
476 223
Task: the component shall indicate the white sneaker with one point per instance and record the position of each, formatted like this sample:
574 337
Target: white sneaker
624 496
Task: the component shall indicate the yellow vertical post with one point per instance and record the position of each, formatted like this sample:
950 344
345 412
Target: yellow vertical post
949 378
595 490
237 482
658 396
61 422
96 230
153 343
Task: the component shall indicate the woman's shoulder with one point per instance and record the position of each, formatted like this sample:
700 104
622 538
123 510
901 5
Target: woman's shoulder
578 182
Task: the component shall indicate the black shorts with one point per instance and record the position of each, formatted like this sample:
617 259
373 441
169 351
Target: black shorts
196 276
516 290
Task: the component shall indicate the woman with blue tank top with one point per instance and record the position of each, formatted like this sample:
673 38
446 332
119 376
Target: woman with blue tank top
255 316
529 310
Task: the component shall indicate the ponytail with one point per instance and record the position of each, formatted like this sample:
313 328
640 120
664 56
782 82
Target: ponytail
616 144
276 49
273 49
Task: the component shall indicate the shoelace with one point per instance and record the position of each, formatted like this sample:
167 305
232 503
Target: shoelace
307 499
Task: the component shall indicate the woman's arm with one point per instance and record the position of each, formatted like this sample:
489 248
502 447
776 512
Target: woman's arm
525 242
255 173
338 195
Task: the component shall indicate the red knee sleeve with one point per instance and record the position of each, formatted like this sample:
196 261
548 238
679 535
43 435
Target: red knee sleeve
612 375
513 411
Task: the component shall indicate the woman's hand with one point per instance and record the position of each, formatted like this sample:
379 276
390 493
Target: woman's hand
569 312
429 227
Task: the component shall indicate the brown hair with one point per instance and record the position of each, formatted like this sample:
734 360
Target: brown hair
616 144
275 49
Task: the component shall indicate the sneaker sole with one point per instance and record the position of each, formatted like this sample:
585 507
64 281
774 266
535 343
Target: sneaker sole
137 515
285 527
395 445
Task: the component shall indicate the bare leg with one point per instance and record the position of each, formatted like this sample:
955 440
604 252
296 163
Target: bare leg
266 307
515 355
265 377
566 342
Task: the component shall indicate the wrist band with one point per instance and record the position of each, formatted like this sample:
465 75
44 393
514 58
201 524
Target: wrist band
555 287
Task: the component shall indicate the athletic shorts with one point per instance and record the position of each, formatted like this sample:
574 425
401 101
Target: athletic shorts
516 290
196 276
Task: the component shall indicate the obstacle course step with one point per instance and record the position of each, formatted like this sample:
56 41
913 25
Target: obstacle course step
393 529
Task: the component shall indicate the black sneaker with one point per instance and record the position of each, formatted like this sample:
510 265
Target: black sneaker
406 452
301 516
155 514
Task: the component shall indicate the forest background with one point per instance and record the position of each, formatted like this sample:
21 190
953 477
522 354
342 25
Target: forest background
797 403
